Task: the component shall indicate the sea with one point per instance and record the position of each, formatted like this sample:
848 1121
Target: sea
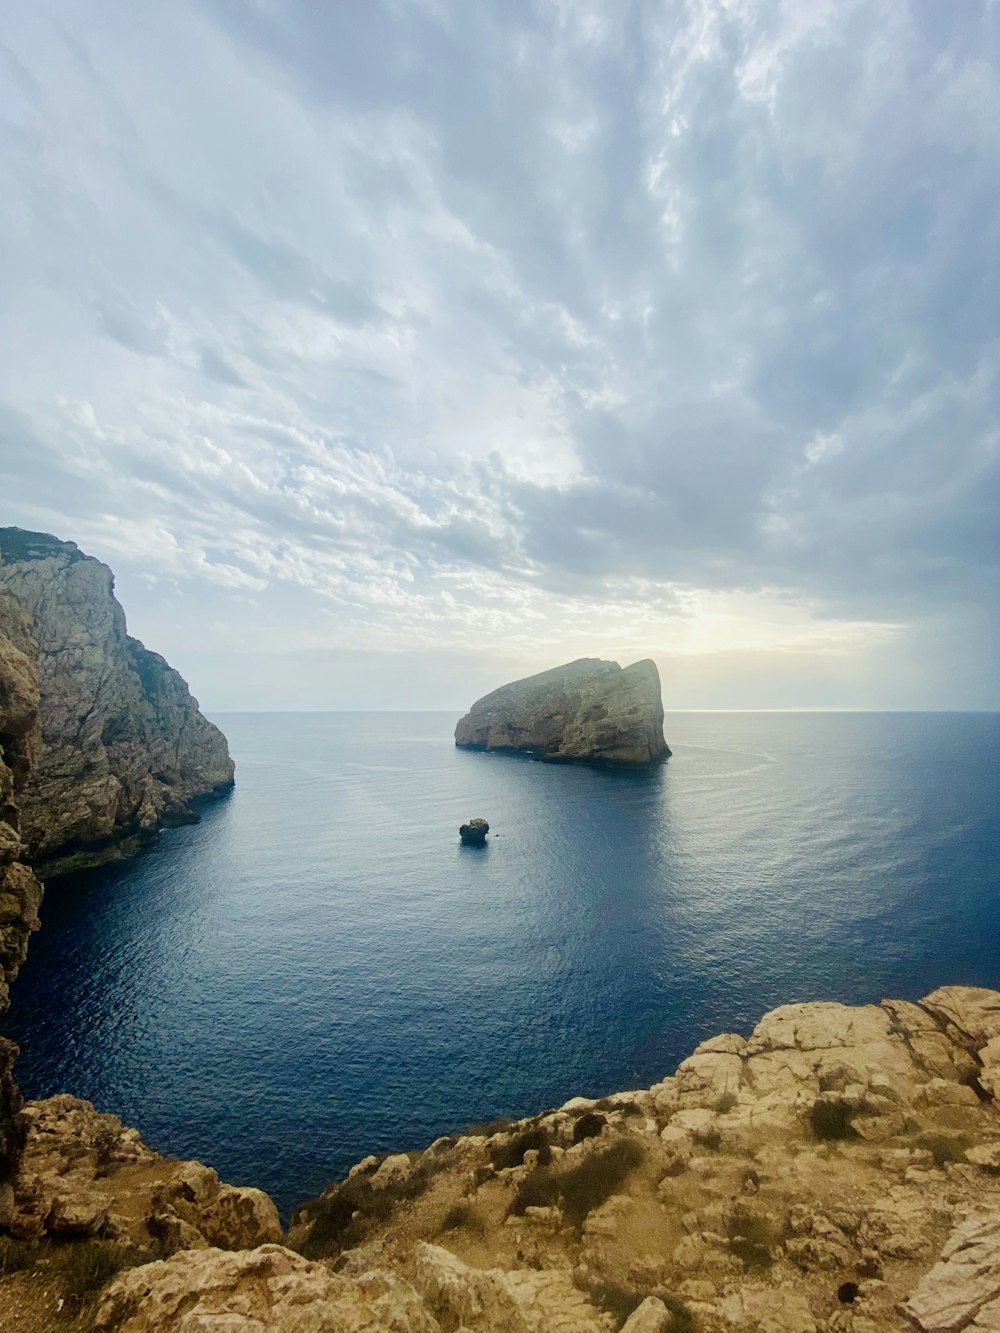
319 970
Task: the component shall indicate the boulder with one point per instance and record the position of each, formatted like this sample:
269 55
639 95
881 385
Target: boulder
474 832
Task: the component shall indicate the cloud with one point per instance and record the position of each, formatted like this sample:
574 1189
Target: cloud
216 367
128 327
554 327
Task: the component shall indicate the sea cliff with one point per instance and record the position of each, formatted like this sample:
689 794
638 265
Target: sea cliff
20 890
123 748
588 711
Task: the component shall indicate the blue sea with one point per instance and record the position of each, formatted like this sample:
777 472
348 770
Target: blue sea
319 970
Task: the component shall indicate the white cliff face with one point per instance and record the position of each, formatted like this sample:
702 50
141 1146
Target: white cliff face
588 711
123 747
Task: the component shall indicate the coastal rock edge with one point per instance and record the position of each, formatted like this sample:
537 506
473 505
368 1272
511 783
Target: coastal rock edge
836 1172
123 749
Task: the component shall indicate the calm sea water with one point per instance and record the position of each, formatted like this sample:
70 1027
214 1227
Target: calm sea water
319 970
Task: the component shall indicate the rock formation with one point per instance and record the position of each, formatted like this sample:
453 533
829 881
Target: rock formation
20 891
83 1174
588 711
124 749
474 832
836 1172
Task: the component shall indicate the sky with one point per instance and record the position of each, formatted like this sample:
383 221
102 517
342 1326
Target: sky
391 349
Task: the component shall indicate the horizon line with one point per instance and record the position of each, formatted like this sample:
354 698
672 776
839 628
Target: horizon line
986 712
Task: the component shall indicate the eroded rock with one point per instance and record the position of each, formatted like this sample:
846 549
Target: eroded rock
474 832
588 711
801 1180
123 746
265 1290
962 1290
82 1173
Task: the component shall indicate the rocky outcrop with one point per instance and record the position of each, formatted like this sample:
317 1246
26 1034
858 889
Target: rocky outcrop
962 1290
83 1174
269 1288
836 1172
124 749
20 891
588 711
473 834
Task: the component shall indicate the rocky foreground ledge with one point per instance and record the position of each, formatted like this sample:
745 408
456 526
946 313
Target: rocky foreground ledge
838 1171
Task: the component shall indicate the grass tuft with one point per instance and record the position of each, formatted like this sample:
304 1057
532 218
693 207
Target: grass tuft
341 1217
582 1187
588 1126
751 1238
17 1256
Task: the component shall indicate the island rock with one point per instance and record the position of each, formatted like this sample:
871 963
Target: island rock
474 832
123 748
588 711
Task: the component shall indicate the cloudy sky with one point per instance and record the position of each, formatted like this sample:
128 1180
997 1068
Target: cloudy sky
389 349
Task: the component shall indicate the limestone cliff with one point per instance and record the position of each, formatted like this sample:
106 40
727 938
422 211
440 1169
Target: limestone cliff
20 891
123 748
82 1174
588 711
836 1172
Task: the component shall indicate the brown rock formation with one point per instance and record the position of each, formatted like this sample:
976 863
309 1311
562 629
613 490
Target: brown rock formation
83 1174
124 749
20 891
836 1172
588 711
813 1178
474 832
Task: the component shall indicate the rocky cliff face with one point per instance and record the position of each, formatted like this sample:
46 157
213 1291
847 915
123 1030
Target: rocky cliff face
123 748
20 891
588 711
